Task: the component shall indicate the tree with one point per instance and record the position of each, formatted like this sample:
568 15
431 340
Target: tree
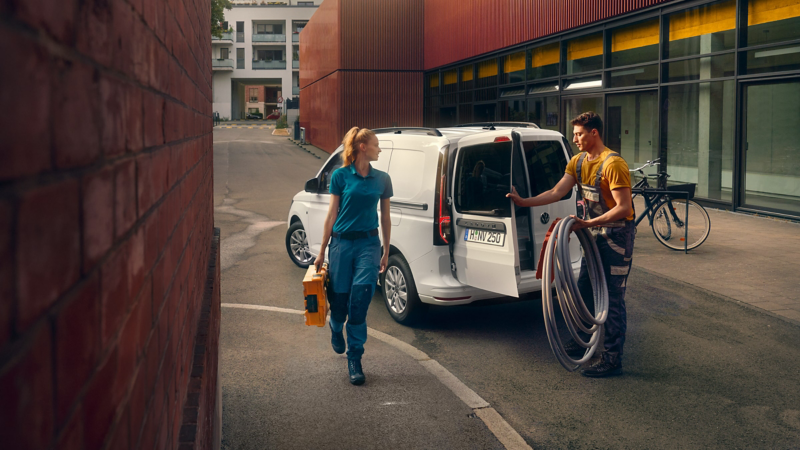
218 8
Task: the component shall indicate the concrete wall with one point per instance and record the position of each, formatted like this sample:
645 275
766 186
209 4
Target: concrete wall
106 225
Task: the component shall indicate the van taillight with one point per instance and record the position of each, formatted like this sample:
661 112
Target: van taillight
441 211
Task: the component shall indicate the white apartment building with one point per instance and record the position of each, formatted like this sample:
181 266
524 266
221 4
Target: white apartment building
260 48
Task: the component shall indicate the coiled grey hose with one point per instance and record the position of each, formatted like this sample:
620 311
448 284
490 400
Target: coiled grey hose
557 265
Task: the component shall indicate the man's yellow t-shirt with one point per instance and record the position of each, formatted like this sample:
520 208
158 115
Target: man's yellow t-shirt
615 175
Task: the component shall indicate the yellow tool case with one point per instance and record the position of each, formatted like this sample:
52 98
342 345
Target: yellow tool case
315 295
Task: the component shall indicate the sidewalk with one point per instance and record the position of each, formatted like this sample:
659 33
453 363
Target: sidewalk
750 259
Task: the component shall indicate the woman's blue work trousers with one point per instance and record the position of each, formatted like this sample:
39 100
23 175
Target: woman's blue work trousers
354 266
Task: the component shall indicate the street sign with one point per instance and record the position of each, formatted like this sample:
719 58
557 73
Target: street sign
280 100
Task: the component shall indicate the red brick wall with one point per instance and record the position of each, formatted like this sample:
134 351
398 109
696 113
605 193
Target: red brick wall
106 224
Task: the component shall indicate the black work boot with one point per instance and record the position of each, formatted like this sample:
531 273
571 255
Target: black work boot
337 341
356 374
610 364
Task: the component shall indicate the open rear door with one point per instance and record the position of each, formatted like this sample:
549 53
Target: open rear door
485 248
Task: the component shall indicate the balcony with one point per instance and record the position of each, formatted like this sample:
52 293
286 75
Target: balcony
295 90
222 64
227 38
295 64
296 37
267 38
268 65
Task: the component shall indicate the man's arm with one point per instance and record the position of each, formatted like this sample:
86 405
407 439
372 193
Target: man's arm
545 198
623 209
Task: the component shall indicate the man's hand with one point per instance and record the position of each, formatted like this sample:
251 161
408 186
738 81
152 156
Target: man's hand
579 223
384 262
320 260
514 196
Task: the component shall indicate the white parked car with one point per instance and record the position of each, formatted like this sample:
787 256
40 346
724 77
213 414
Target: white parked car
456 238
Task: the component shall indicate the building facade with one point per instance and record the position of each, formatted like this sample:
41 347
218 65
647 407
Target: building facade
260 47
710 87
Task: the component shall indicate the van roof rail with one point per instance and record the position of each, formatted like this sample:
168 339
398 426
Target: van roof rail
399 130
491 125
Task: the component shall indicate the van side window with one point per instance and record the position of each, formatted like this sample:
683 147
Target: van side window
325 177
482 179
546 165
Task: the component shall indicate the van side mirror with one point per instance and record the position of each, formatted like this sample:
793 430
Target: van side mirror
312 185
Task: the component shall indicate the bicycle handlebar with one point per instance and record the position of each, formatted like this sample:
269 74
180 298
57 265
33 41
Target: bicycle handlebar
646 165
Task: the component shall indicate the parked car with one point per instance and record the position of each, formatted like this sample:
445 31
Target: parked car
456 238
274 116
258 116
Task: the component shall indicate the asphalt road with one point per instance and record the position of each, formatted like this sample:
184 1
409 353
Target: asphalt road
700 371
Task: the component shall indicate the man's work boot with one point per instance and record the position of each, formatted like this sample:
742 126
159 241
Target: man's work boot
574 350
610 364
356 374
337 341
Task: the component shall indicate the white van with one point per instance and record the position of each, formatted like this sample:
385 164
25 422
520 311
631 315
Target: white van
456 238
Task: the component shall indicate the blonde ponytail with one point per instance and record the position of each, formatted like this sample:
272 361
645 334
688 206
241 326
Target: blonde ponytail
351 140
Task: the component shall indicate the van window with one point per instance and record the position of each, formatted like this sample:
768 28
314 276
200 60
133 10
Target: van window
406 169
482 179
546 165
325 177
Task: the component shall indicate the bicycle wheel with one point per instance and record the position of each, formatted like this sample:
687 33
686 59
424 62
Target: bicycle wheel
670 229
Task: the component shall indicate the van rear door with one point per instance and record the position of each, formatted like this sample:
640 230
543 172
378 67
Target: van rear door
484 223
546 159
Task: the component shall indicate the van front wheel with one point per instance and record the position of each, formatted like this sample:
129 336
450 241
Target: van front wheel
400 293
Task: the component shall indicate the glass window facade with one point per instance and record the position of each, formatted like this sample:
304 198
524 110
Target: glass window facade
716 101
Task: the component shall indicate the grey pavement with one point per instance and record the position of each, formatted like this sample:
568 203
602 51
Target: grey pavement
703 367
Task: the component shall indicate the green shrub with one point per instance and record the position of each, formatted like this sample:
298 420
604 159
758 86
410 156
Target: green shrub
281 123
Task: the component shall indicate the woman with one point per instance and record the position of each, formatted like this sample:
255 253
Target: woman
355 249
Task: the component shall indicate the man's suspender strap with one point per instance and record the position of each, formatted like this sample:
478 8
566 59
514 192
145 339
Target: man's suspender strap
600 170
578 174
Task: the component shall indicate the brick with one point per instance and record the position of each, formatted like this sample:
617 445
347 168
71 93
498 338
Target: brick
153 178
76 132
77 344
100 403
115 111
56 18
124 197
136 403
48 249
26 396
97 190
133 337
123 37
153 120
94 34
134 139
121 439
7 286
72 434
140 51
26 133
114 301
136 268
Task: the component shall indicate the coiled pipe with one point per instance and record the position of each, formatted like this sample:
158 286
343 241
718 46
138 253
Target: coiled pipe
557 273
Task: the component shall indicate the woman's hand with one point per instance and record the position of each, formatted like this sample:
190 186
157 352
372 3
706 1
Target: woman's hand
384 262
514 196
320 260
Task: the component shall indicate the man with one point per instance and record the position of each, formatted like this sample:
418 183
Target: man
605 185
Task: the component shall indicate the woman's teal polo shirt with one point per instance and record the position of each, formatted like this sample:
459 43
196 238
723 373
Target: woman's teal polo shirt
358 205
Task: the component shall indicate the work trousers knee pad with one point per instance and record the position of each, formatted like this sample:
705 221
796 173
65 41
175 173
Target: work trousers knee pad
338 303
359 303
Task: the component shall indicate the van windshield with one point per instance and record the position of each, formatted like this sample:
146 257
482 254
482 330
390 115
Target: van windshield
482 179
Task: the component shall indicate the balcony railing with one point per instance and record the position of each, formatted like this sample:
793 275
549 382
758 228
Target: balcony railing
295 64
266 65
225 37
269 38
295 90
222 64
296 37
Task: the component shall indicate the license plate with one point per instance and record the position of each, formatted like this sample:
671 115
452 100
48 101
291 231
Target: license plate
485 237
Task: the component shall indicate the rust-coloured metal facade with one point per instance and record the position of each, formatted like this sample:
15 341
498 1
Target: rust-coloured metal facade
460 29
365 62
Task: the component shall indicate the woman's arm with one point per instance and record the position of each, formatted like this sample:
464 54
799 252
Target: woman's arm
386 227
330 219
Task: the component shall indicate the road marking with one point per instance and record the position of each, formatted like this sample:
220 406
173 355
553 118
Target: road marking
501 429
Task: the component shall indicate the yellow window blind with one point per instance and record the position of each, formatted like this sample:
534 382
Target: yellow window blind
546 55
434 80
585 47
487 68
466 73
635 36
450 77
514 63
704 20
764 11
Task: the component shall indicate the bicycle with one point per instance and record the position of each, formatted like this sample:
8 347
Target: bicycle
678 223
